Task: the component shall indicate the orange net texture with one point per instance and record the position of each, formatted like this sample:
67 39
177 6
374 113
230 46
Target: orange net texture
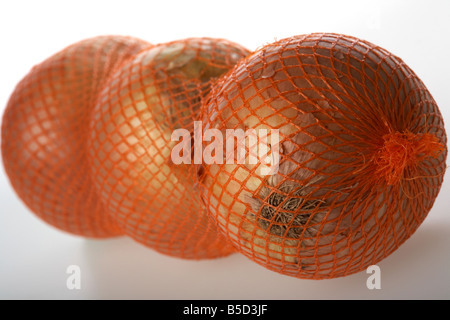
356 140
362 151
152 199
44 133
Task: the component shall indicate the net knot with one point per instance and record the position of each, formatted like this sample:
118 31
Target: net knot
400 150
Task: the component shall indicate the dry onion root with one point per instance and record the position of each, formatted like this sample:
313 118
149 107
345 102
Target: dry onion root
154 200
44 132
362 155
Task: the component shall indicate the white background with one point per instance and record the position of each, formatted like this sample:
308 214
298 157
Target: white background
34 256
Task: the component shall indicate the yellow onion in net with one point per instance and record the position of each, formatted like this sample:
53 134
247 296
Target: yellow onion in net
44 132
153 199
361 155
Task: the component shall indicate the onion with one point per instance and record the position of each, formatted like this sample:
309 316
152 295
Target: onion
44 130
362 152
152 199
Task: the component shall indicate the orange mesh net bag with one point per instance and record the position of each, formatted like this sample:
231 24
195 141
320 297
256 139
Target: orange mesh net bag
354 155
154 200
44 132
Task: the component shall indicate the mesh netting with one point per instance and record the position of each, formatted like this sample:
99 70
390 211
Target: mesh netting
356 142
362 152
44 131
152 199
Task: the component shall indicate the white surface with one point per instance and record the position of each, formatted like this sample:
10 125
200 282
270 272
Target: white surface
34 256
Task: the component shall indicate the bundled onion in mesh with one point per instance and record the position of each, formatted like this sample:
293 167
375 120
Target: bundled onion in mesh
44 132
153 199
362 151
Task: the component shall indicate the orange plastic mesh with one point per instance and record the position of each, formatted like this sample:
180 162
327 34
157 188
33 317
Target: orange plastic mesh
362 151
44 132
152 199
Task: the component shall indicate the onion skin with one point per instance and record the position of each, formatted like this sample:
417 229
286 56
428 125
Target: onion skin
153 200
333 208
44 130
